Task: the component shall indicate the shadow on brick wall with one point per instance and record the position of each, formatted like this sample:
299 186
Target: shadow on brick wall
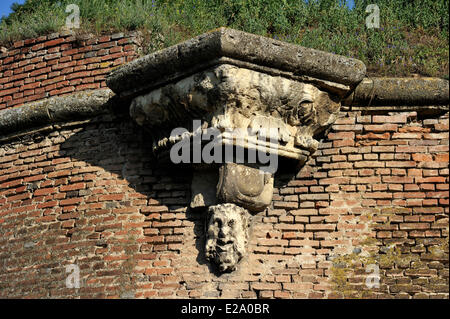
114 157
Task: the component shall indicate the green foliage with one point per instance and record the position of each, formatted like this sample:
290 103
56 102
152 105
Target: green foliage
28 21
413 34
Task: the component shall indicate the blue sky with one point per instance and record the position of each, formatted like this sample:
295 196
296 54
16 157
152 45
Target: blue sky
5 6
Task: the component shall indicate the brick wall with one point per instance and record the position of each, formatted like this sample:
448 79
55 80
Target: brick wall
89 193
59 64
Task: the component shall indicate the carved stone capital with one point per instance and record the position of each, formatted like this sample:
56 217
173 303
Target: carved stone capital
269 112
277 97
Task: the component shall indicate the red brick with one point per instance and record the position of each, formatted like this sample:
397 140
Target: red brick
441 157
381 128
401 119
422 157
72 187
53 42
110 197
78 75
45 191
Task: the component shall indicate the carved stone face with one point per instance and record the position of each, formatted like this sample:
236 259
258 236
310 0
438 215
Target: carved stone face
226 236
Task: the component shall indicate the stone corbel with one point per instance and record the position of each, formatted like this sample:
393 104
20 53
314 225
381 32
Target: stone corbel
248 92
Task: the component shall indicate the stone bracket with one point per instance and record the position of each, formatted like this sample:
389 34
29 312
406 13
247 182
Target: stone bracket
247 93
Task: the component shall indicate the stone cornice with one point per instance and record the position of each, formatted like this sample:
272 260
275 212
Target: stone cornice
433 98
391 91
241 49
75 106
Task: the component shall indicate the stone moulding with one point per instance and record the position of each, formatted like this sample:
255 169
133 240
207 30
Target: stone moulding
400 94
75 106
429 95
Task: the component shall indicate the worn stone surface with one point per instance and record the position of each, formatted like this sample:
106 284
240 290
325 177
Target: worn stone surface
66 108
246 186
387 91
226 235
229 98
240 48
